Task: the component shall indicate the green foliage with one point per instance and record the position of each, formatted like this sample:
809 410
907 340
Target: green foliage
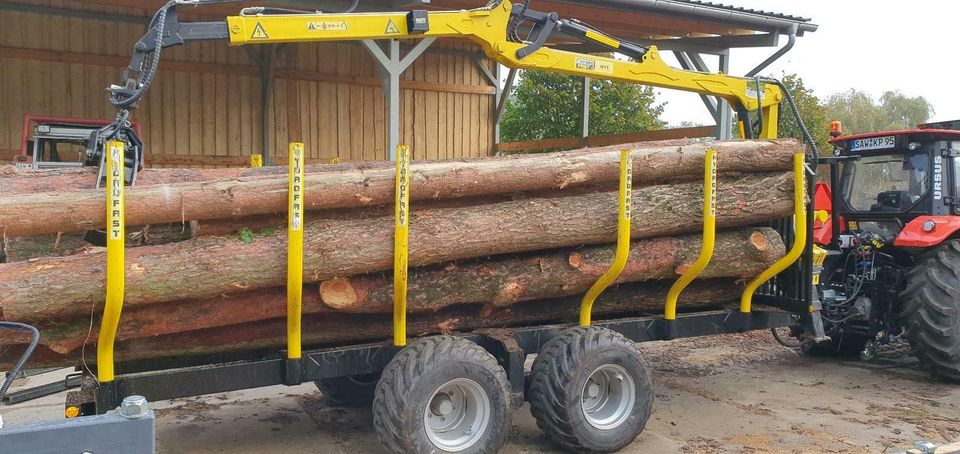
861 113
246 235
812 112
547 105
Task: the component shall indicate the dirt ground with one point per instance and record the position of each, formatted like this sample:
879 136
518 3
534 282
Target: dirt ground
736 393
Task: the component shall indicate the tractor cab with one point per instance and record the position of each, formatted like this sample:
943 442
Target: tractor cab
898 186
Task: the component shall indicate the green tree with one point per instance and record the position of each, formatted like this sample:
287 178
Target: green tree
812 112
861 113
547 105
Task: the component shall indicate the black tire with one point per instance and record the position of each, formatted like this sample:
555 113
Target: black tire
932 309
355 391
417 374
560 376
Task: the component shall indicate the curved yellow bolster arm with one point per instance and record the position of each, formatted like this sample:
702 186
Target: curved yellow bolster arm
799 238
115 262
295 252
709 235
400 247
625 202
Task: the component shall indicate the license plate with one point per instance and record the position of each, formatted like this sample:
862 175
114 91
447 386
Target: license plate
873 143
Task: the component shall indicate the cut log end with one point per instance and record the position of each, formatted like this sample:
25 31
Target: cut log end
759 240
338 293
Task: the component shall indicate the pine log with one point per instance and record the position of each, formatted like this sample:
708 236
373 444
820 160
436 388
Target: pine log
499 281
243 195
502 282
328 329
57 288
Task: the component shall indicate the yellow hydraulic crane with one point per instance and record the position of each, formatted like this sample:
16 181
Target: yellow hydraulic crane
493 27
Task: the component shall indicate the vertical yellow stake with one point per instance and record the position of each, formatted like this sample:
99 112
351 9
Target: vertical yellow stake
256 160
709 235
400 245
799 235
115 262
295 251
624 205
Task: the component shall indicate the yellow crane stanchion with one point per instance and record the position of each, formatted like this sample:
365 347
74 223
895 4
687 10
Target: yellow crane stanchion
294 264
115 262
799 237
706 249
256 160
400 247
624 203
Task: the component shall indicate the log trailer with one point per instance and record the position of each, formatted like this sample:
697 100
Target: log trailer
589 388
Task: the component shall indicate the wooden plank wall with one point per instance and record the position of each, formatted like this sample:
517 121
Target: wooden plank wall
204 106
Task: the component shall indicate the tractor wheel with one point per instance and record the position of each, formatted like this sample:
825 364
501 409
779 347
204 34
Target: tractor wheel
354 391
932 309
591 390
442 394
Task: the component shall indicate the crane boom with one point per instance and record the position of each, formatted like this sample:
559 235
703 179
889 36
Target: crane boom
492 27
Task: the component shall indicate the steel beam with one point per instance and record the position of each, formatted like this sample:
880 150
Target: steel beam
585 118
708 101
725 121
389 68
503 94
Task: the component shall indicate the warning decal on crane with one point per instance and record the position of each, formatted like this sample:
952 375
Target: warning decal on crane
392 28
259 32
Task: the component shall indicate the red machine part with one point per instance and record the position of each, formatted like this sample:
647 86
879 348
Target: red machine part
926 231
823 210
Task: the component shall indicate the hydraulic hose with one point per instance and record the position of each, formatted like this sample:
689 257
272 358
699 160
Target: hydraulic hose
35 339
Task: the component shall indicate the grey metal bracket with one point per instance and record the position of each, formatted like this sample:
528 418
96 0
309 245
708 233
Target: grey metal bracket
389 68
95 434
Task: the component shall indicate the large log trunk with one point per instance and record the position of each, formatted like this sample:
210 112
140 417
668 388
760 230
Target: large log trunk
57 288
235 193
324 329
536 276
498 281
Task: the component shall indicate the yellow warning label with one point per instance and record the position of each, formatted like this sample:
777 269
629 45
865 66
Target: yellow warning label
392 28
259 32
327 26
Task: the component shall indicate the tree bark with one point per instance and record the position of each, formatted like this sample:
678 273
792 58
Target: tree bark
508 280
235 193
329 329
59 287
499 281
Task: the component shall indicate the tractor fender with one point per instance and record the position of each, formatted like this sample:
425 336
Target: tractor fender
914 235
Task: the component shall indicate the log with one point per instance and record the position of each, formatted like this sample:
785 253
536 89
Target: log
737 254
232 193
328 329
47 289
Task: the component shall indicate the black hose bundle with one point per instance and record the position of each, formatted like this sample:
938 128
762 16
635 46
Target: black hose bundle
12 374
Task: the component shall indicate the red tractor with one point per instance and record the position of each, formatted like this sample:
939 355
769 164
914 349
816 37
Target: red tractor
888 244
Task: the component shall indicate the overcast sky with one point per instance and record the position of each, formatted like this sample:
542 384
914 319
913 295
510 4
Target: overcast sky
871 45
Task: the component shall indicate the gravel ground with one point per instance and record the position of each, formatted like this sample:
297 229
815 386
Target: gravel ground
732 393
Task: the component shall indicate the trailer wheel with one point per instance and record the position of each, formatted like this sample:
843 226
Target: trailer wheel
352 391
591 390
932 309
442 394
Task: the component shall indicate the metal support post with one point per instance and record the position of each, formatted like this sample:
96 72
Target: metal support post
624 209
294 264
503 95
799 235
706 249
389 68
115 261
586 111
400 247
708 101
725 122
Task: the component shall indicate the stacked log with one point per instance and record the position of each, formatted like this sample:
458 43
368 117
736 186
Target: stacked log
494 242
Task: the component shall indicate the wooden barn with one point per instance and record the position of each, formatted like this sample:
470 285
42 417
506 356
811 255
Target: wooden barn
215 105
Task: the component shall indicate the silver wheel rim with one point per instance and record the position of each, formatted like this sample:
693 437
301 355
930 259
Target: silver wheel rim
608 397
457 415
